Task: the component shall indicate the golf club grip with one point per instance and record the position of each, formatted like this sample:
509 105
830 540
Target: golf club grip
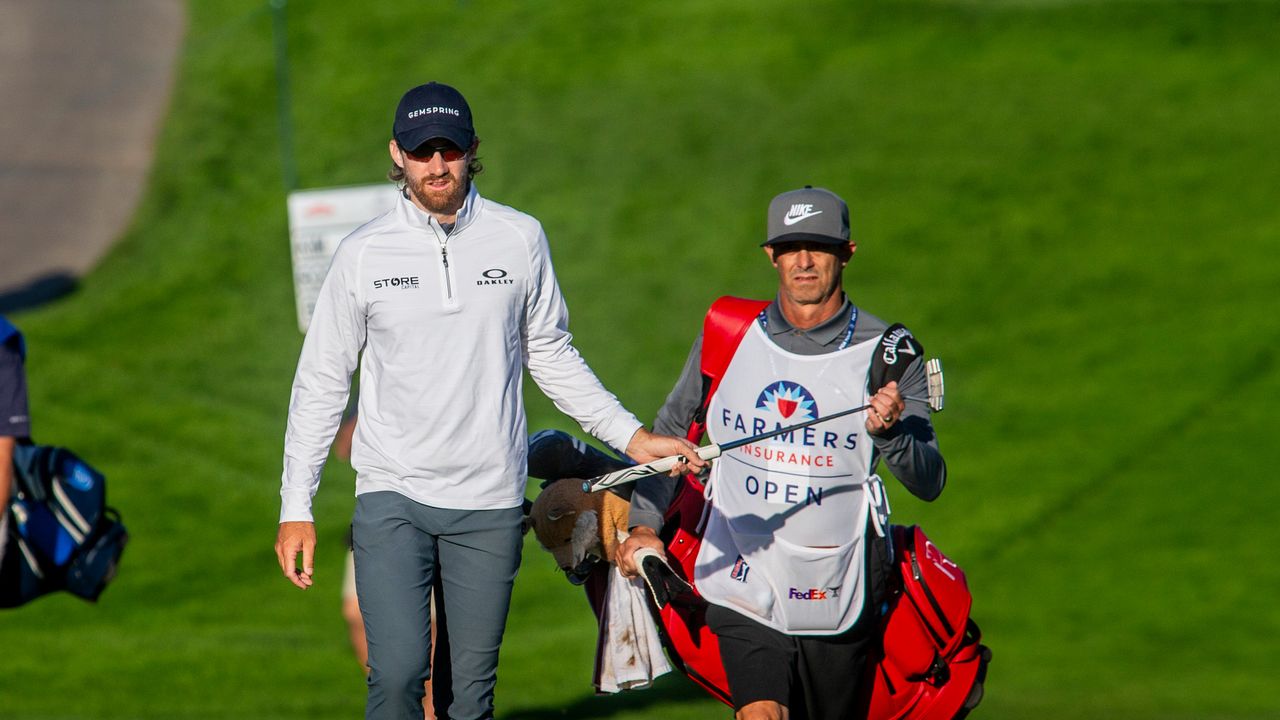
631 474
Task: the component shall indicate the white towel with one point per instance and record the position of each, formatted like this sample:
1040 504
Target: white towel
630 655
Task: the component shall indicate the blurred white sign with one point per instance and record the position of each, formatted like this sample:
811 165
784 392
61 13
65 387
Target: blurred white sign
318 220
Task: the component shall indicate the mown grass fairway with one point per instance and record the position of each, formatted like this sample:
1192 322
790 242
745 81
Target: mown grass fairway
1074 205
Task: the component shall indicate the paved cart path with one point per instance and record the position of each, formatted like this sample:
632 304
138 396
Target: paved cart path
84 87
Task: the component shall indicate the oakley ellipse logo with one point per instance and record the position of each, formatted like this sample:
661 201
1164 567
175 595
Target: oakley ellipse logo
495 276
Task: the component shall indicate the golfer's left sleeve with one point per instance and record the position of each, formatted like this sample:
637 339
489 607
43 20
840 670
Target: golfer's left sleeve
555 364
910 448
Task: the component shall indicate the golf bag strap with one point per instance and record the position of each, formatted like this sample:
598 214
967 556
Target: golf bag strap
723 328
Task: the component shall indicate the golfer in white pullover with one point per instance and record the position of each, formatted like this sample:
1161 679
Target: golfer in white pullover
445 298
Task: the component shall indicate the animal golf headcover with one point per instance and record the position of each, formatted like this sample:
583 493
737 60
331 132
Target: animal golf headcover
578 528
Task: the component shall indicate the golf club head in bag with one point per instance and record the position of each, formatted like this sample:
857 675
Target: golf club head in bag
663 582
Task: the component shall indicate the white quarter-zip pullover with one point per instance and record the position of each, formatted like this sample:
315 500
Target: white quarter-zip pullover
445 322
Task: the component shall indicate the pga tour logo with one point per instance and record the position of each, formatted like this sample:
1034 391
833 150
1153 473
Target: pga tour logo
789 400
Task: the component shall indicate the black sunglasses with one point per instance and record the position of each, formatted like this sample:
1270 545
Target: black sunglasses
449 151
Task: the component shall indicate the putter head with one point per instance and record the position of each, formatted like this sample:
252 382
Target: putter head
933 371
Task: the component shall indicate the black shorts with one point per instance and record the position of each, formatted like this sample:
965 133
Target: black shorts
815 676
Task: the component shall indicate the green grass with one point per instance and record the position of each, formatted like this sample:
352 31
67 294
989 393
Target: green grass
1073 204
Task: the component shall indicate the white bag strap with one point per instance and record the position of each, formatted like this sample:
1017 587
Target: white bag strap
707 495
878 505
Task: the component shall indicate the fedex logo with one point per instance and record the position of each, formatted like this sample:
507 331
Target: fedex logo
810 594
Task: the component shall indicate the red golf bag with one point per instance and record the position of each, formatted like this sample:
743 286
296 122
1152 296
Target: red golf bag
933 664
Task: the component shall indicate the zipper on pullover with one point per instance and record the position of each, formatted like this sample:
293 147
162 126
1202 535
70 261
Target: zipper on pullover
448 299
444 258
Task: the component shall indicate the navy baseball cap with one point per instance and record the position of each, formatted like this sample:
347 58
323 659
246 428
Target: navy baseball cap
431 111
809 214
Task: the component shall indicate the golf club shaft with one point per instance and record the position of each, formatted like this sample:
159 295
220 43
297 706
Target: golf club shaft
706 452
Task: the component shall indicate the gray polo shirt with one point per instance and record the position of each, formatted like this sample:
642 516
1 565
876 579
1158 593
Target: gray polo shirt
909 448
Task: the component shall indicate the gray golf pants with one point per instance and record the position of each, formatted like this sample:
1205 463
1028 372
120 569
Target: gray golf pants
396 543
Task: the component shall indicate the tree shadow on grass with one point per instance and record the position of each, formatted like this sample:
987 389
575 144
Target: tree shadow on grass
40 291
674 688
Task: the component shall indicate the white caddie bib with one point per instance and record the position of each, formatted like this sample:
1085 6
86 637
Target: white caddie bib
784 542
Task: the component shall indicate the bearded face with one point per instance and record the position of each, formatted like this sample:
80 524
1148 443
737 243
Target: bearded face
435 176
439 193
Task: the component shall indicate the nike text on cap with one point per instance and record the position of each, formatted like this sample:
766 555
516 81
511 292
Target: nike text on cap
432 111
811 214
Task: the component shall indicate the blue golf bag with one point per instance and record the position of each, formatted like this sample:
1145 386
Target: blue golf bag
62 535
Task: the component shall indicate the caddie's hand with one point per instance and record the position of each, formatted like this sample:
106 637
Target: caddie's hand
294 538
647 447
641 537
886 408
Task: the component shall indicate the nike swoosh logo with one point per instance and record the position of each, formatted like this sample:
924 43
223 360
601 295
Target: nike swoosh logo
793 219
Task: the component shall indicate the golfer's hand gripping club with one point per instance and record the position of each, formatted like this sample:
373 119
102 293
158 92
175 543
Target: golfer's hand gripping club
635 472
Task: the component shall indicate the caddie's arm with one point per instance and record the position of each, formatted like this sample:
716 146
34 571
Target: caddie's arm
908 444
640 537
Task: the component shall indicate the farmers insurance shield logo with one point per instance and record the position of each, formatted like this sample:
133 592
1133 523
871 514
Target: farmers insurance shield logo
790 401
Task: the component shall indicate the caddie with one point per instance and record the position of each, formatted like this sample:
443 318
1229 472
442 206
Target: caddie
440 302
793 561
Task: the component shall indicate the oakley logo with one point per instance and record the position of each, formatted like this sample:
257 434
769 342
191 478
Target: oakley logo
404 283
798 212
495 276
